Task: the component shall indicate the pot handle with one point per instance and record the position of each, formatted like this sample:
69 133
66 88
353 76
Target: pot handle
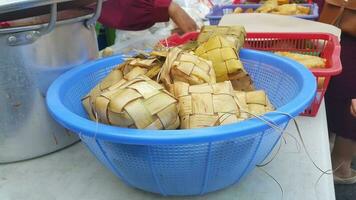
91 22
29 37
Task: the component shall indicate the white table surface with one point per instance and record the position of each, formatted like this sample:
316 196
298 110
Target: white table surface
74 174
263 22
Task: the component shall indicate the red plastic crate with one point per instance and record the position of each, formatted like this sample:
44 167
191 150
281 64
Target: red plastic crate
320 44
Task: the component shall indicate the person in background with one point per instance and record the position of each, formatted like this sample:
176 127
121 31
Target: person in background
129 15
340 101
137 15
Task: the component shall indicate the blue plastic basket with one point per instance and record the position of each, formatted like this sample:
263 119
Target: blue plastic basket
184 162
217 12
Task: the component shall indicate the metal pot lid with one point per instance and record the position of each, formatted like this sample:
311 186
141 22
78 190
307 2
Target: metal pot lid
44 19
19 9
26 31
15 5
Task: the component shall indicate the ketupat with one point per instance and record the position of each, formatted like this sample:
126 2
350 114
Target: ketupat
148 65
189 46
256 102
195 101
88 101
139 103
206 105
243 83
115 77
226 63
223 55
234 34
186 67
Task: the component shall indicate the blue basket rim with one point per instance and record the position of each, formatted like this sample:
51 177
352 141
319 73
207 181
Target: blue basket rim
313 15
84 126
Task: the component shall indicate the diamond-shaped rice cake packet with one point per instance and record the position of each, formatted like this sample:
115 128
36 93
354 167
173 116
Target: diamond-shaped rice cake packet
88 101
186 67
254 102
206 105
225 61
234 34
139 103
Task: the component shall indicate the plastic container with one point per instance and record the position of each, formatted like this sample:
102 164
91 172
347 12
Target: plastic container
184 162
320 44
218 11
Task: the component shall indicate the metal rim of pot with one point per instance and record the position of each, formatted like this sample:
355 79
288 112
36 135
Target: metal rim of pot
29 34
16 5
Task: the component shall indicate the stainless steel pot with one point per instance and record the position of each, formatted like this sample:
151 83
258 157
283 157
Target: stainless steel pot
31 57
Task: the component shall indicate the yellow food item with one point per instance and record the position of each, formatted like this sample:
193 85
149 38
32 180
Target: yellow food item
139 103
234 34
149 66
223 55
242 83
108 51
321 81
286 9
282 7
238 10
186 67
253 103
200 84
88 101
306 60
291 9
142 64
206 105
281 2
267 7
226 62
249 10
303 10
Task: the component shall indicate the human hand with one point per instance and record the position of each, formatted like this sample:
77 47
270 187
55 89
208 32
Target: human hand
184 22
353 107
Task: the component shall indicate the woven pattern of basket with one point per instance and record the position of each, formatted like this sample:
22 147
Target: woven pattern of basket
186 67
206 105
139 103
254 103
226 64
234 34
